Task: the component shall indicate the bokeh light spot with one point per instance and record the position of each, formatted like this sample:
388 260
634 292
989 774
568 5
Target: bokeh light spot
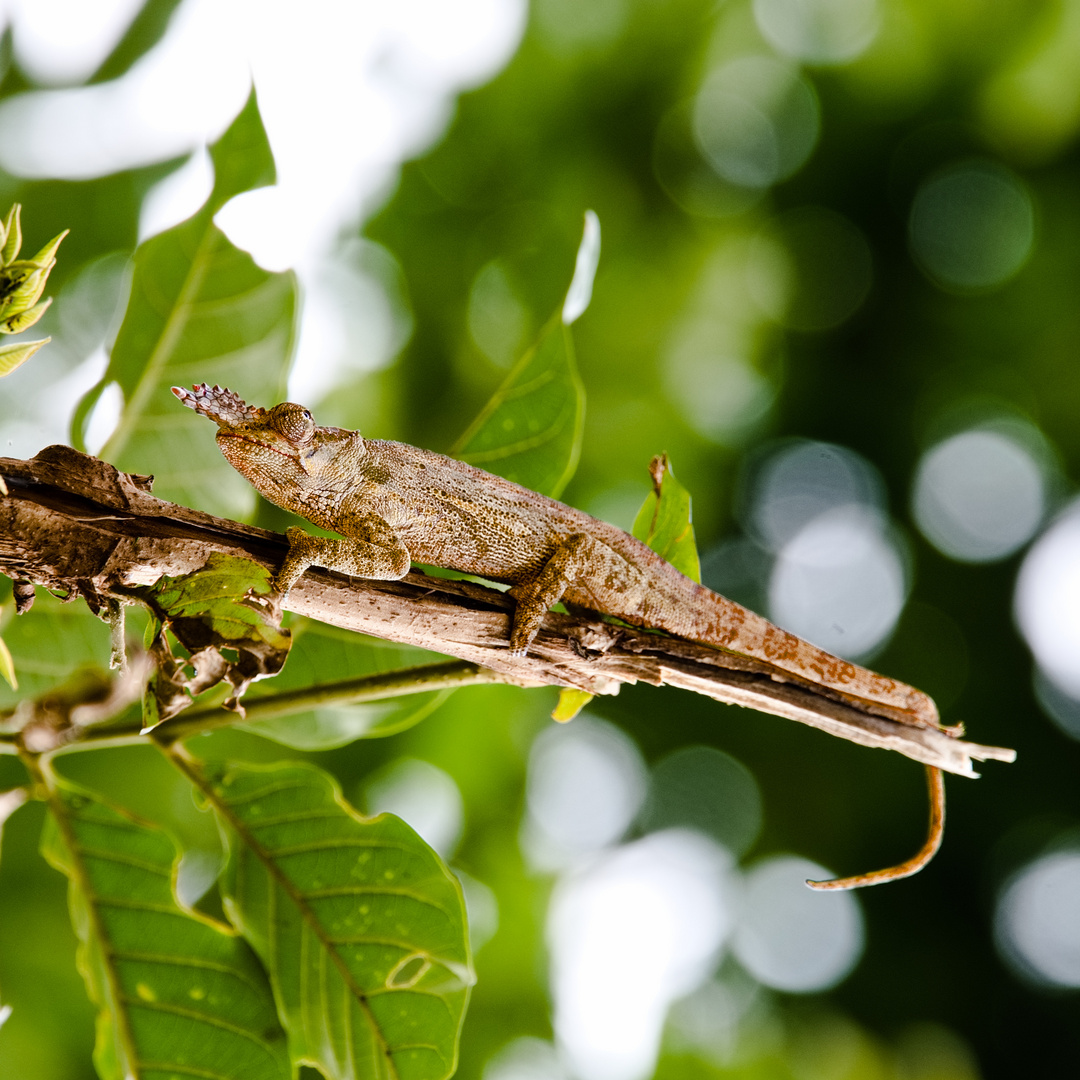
1048 601
178 196
972 226
1037 922
723 396
424 797
1061 707
756 120
819 31
585 785
636 930
828 271
978 496
526 1058
790 937
481 907
794 484
498 319
839 582
569 26
65 41
700 787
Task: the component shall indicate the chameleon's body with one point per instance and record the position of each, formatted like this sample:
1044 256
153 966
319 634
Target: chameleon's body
396 504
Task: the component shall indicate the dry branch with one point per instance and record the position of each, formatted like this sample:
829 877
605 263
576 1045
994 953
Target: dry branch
72 522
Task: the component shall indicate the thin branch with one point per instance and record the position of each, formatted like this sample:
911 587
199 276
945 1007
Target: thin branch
73 522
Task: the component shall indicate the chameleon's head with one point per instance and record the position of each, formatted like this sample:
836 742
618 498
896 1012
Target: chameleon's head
279 450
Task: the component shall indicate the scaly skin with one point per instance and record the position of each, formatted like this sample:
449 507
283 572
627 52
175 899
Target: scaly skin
395 504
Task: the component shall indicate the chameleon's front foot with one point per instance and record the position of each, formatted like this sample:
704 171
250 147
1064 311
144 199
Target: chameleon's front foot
357 558
296 561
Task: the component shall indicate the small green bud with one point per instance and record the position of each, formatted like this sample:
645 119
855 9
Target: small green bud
16 324
23 292
12 235
45 259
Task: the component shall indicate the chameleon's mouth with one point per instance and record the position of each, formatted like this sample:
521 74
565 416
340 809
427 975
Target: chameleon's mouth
222 435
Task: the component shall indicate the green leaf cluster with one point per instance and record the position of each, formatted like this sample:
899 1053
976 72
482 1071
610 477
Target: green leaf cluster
22 281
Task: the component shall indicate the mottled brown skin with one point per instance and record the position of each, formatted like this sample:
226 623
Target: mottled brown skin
395 504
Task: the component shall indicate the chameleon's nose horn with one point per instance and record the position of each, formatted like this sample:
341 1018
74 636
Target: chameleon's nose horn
218 403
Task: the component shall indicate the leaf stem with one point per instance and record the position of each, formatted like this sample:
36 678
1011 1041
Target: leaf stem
355 691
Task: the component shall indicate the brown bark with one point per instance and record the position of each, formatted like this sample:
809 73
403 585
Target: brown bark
72 522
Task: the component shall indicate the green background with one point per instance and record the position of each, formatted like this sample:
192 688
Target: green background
575 121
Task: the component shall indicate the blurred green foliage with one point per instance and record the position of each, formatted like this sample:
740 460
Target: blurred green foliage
723 318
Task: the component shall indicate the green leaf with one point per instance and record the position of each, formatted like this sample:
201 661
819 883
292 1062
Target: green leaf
220 597
177 994
663 522
322 655
243 160
11 356
142 34
359 922
228 617
530 431
200 310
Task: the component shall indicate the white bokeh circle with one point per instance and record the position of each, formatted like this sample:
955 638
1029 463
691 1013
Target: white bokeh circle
1037 921
790 937
839 582
979 496
1047 601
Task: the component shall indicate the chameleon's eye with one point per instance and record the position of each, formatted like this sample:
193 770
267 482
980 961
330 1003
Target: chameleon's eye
293 421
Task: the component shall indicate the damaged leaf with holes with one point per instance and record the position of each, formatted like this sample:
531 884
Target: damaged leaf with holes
227 618
664 521
359 922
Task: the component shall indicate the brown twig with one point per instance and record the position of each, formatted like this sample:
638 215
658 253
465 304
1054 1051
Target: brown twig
72 522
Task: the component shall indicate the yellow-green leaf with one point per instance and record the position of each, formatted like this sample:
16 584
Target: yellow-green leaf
16 324
11 356
12 235
571 702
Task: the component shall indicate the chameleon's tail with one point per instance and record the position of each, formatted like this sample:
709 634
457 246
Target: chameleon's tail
715 620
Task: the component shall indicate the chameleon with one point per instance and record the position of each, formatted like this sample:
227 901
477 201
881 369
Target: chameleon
394 504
